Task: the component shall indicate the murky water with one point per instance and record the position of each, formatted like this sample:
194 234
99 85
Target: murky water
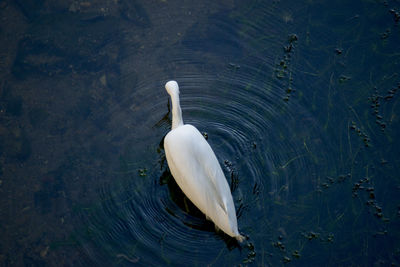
298 100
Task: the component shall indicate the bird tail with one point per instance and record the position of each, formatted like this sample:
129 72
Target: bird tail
240 238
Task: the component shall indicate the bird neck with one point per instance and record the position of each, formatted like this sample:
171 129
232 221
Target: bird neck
176 112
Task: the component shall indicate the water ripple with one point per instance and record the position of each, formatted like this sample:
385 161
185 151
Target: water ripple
261 141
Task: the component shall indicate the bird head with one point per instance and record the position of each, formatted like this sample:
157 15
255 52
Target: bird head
172 88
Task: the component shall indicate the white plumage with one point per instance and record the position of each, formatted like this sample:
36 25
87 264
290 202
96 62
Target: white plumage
196 170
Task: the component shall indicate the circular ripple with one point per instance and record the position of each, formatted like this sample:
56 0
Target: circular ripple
261 141
252 132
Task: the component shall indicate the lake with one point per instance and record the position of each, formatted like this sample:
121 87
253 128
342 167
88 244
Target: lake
298 99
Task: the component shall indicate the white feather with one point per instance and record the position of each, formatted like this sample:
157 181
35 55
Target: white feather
196 170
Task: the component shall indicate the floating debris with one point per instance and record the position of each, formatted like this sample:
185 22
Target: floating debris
396 15
251 255
375 104
386 34
286 259
288 48
142 172
324 237
205 135
338 51
330 238
293 38
344 78
283 67
359 186
390 94
381 233
254 145
296 254
325 185
311 235
335 180
280 245
364 185
361 134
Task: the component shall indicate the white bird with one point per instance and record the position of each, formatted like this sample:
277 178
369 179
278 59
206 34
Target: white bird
196 170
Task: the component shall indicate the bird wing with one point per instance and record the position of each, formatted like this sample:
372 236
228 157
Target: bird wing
195 168
213 171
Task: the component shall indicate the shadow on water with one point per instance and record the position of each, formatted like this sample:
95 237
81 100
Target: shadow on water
299 101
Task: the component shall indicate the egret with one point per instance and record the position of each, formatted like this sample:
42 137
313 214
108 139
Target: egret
196 170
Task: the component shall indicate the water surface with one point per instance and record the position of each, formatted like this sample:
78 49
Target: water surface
298 100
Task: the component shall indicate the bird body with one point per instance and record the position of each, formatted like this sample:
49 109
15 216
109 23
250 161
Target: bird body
196 170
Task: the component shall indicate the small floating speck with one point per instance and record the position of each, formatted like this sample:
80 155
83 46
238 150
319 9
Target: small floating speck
296 254
293 38
142 172
344 78
338 51
286 259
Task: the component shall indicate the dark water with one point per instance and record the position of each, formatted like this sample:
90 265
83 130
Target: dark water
299 100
